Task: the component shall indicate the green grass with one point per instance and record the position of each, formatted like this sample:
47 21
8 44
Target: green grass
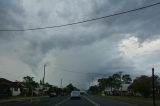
24 97
135 100
20 98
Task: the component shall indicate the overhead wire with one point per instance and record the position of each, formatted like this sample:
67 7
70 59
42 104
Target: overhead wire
83 21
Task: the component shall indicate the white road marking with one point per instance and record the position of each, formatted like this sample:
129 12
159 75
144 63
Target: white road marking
91 101
61 102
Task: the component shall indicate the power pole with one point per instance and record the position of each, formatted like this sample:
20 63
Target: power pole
32 93
153 88
61 84
121 80
44 74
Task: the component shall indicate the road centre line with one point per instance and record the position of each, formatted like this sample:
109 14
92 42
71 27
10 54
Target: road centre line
61 102
91 101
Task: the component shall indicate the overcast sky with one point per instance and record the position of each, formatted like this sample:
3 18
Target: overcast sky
80 53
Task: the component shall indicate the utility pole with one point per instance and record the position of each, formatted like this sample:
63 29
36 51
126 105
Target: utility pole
44 75
121 80
32 93
61 84
153 88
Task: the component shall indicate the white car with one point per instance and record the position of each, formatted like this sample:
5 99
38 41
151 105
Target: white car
75 94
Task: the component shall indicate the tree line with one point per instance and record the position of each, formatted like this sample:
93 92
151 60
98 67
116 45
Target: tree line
140 85
113 81
31 85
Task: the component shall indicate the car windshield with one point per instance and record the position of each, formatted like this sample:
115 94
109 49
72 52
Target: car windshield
79 52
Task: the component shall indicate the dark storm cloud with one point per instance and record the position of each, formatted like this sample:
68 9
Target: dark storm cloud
143 23
11 17
115 26
11 12
90 47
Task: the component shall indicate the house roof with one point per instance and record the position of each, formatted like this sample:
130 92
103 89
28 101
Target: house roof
4 83
18 84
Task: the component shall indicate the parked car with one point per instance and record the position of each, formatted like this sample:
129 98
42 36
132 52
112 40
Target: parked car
75 95
53 94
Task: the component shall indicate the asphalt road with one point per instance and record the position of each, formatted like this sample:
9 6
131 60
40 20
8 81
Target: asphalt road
65 101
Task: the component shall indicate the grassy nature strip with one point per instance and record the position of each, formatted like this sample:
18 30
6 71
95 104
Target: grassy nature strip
20 98
135 100
23 97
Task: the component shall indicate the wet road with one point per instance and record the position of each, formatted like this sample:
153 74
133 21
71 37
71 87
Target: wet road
66 101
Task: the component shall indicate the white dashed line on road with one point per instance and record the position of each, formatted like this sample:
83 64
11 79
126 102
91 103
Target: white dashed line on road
91 101
61 102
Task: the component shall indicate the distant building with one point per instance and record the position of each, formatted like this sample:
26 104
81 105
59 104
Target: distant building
124 89
9 88
115 91
40 90
83 92
17 88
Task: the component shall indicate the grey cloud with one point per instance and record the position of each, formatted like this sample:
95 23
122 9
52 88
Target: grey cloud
11 17
90 47
144 23
11 13
89 59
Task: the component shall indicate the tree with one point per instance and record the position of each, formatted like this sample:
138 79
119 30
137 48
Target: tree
47 84
126 79
142 85
102 83
110 82
28 79
93 89
30 83
40 82
116 80
54 89
105 82
69 88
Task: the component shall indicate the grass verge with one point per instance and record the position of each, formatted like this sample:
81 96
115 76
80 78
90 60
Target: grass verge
23 97
20 98
134 100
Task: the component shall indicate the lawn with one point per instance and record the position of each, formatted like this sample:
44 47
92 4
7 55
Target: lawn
25 97
136 100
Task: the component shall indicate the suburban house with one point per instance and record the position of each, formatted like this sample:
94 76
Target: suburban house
111 91
45 90
41 90
115 91
124 89
9 88
17 88
38 91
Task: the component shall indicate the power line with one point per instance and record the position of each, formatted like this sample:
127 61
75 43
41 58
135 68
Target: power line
84 21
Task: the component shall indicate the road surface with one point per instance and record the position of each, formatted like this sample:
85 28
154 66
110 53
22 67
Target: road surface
65 101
